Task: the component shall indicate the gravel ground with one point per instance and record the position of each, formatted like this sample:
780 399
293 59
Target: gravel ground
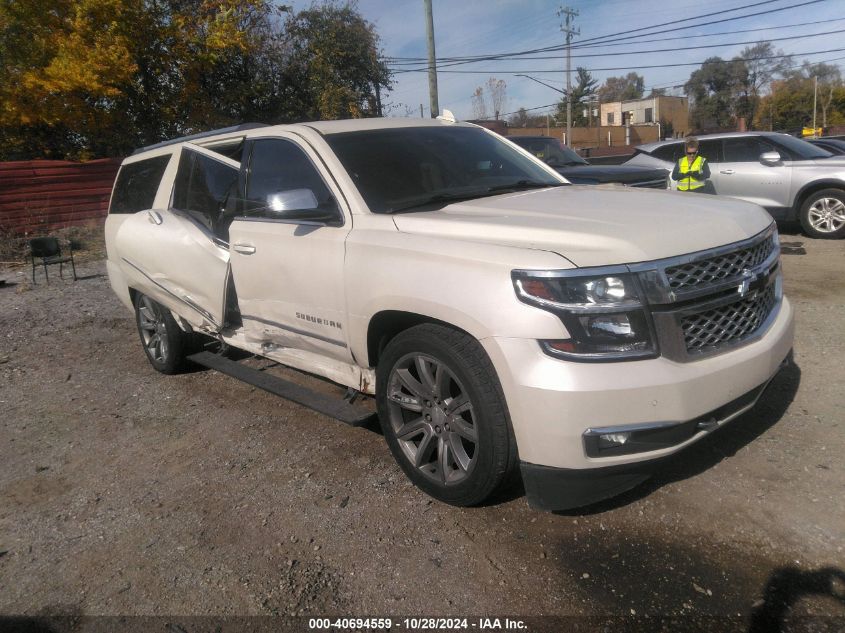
123 491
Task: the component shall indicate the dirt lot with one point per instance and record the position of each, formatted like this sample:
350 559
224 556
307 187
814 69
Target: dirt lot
123 491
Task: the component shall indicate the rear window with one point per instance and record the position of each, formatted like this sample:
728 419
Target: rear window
671 153
137 184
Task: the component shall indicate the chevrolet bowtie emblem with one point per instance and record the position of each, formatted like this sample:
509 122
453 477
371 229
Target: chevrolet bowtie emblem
745 285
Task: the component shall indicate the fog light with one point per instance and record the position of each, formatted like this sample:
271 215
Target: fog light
613 439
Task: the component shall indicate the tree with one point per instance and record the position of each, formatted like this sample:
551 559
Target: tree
631 86
496 94
498 91
523 119
711 94
334 53
829 80
789 107
479 107
101 77
582 91
754 69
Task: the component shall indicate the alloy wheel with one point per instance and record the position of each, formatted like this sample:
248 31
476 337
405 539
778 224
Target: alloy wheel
433 418
153 329
827 215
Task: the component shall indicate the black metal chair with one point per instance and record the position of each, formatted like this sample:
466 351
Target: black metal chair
49 251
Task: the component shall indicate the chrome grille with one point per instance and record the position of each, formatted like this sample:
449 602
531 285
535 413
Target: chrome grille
728 324
714 269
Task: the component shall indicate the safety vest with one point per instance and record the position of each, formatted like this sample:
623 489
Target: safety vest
689 174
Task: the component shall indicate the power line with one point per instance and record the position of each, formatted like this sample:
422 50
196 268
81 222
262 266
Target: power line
705 15
667 50
639 66
686 37
455 61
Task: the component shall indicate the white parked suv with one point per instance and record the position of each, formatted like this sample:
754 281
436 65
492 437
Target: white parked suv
501 317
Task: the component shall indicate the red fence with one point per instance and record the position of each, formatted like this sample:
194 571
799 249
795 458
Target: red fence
37 196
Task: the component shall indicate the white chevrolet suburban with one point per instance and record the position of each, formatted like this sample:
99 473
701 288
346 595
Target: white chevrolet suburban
500 316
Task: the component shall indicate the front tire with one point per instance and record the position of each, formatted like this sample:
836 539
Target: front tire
443 414
164 342
823 214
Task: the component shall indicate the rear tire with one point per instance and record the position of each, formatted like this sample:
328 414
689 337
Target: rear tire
823 214
164 342
443 414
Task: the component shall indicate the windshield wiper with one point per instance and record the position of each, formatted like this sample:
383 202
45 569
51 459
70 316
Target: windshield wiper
524 184
440 197
471 195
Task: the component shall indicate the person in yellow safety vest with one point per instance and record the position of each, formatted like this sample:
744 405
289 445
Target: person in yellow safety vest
692 171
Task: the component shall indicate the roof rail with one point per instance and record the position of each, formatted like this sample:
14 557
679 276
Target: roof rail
193 137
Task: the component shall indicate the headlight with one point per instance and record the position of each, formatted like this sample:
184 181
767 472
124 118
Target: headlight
603 311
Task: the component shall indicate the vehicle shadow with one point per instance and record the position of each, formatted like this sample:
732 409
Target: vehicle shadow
789 584
721 444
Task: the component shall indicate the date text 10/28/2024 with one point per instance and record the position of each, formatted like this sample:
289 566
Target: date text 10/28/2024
415 624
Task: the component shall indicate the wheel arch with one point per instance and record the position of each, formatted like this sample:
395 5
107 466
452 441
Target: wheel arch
810 188
385 325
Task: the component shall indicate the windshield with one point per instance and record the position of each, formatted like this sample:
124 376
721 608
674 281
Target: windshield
550 150
800 150
401 169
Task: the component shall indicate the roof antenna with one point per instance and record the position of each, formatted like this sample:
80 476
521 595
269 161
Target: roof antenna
447 116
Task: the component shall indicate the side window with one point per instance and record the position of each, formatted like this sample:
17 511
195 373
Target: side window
670 153
204 188
283 178
746 149
137 184
711 150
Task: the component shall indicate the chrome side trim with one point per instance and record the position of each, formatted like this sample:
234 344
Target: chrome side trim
294 330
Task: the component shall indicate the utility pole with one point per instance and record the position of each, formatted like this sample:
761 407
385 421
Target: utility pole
815 98
569 31
432 68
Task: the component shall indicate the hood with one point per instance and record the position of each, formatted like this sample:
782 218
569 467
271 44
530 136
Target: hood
595 225
626 174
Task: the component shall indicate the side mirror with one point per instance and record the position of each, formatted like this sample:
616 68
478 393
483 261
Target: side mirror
770 158
301 205
281 201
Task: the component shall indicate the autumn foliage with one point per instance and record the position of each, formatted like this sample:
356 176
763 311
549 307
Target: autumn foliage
88 78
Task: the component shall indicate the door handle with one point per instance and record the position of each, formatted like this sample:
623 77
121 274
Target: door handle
154 217
726 171
244 249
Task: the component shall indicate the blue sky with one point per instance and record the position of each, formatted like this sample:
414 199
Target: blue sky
476 27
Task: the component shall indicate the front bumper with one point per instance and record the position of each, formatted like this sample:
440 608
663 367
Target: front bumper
552 403
549 488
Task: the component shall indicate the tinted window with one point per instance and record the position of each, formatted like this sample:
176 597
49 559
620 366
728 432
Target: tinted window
746 149
137 184
203 187
550 150
280 177
798 149
711 150
393 168
670 153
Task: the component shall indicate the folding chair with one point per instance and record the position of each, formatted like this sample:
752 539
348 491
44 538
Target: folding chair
49 251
